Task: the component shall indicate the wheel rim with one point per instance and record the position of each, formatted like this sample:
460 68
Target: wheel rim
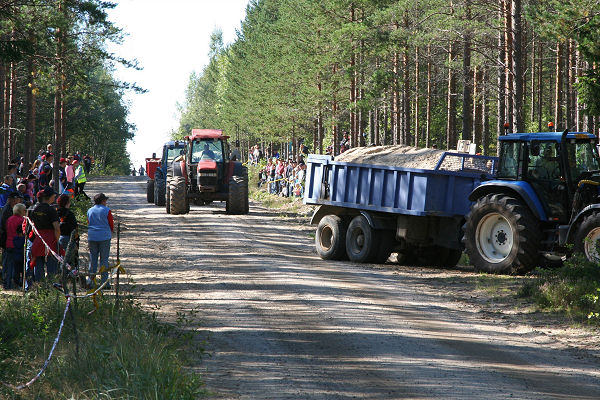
326 237
494 238
591 243
357 240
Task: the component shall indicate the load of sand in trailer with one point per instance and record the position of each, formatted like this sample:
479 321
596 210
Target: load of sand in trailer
397 156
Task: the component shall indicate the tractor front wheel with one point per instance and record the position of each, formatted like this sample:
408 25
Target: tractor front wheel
178 195
168 197
587 238
237 199
150 191
501 235
159 189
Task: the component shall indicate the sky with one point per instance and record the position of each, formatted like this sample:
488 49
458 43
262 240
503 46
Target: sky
170 40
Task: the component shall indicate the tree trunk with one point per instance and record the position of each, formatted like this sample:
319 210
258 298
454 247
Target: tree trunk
6 119
501 79
3 162
395 117
540 87
484 114
417 109
451 102
572 73
508 53
558 84
428 105
467 122
477 108
406 135
532 92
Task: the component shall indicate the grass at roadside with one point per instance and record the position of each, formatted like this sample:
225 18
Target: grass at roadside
574 289
124 352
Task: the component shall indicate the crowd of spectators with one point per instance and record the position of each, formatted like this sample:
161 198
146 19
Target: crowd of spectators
28 191
283 178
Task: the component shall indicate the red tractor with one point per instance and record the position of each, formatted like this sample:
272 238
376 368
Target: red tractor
206 173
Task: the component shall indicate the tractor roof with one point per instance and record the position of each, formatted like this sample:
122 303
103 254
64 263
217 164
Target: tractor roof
175 143
544 136
206 134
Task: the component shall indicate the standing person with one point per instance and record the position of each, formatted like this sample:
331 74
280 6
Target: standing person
142 170
62 174
87 163
6 189
46 221
100 229
68 222
14 245
79 178
70 173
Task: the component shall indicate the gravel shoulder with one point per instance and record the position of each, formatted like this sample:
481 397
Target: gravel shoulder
282 323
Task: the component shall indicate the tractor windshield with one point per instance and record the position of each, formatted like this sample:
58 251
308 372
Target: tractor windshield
509 160
583 157
172 153
207 149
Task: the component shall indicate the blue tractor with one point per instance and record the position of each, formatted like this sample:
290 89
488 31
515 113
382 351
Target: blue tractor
170 151
543 201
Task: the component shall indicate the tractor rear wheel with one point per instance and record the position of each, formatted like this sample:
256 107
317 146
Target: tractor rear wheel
159 189
150 191
587 238
361 241
177 194
501 235
237 199
330 238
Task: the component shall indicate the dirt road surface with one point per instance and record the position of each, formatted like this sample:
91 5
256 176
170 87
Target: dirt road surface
284 324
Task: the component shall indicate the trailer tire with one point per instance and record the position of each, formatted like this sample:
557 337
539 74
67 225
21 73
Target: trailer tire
330 238
454 256
587 237
501 235
160 184
361 241
150 191
177 195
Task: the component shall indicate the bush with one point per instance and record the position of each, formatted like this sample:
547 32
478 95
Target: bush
124 352
573 288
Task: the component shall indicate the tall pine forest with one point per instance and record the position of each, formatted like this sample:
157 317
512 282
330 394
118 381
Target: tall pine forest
420 73
56 83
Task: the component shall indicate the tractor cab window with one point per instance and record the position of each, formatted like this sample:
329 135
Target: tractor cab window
173 153
582 157
509 165
207 149
544 163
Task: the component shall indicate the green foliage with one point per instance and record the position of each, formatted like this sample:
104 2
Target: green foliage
573 288
124 352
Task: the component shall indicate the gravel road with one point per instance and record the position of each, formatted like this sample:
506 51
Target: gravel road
283 324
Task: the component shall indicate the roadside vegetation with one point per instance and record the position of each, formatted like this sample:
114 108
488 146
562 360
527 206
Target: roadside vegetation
573 289
291 205
124 352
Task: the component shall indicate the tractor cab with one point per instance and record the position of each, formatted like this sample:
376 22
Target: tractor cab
207 151
562 169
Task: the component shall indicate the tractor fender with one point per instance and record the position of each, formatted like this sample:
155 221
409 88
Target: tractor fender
179 168
233 169
578 219
519 189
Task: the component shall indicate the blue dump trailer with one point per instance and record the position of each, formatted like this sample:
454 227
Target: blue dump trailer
369 211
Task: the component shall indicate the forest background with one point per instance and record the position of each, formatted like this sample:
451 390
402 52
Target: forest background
57 84
422 73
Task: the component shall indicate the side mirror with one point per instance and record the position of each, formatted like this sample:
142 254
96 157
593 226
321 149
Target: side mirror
535 148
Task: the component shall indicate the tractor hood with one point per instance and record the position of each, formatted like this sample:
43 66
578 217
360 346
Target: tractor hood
207 165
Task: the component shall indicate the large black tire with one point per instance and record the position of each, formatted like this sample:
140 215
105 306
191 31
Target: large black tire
452 259
587 237
501 235
386 242
237 200
177 194
330 238
361 241
150 191
160 185
168 197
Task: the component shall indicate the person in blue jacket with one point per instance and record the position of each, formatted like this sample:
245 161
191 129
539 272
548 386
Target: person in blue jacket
100 229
